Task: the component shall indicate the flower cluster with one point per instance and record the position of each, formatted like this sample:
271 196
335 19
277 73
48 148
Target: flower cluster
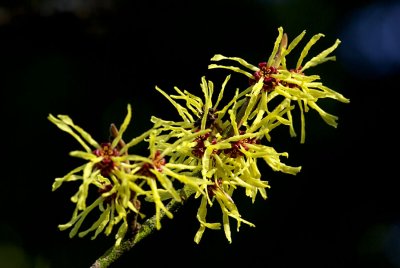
120 179
292 84
226 154
214 150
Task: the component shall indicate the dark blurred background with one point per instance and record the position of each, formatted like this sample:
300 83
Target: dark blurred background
88 59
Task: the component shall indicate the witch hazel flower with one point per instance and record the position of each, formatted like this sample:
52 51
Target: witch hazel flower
106 169
161 174
232 166
219 151
291 84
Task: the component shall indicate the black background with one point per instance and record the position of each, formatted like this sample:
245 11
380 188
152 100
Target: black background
88 60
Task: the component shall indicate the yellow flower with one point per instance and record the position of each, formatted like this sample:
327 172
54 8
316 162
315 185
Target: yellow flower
106 169
291 84
232 163
218 152
161 174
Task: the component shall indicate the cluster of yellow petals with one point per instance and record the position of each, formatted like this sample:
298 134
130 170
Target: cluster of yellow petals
213 150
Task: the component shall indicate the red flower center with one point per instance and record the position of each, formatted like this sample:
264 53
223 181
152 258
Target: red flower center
265 74
106 165
234 151
157 163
